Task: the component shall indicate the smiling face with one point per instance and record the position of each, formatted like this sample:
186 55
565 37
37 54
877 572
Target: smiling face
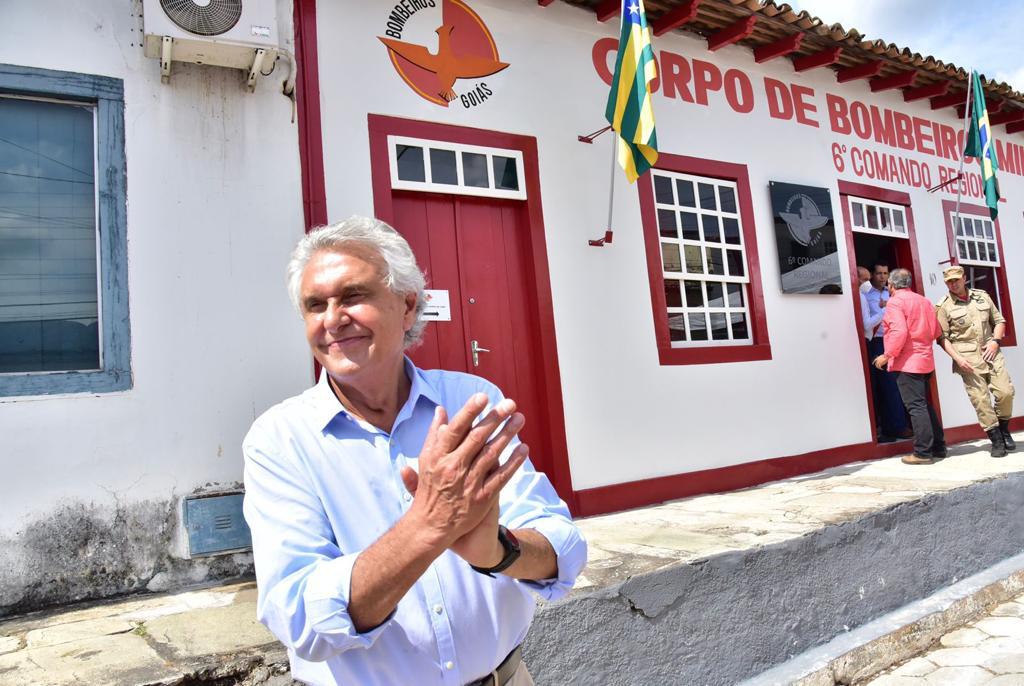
355 324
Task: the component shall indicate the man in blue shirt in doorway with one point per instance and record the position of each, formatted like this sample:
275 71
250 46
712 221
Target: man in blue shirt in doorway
399 530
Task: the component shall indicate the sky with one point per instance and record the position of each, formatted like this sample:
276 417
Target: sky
983 34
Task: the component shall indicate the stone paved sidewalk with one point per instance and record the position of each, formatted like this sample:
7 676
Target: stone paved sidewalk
987 651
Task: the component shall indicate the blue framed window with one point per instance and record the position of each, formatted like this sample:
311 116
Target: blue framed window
63 238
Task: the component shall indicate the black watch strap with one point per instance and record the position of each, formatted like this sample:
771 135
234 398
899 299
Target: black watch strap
510 543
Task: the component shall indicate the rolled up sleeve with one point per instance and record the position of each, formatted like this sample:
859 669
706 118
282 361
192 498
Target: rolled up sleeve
303 578
529 502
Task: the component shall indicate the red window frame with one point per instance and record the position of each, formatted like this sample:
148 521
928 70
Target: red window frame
1005 307
760 349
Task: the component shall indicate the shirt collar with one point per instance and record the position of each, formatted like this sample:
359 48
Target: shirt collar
326 406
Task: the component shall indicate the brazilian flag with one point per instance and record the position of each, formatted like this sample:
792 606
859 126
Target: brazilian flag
629 108
979 145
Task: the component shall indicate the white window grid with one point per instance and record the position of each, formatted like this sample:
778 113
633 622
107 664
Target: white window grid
983 277
976 240
687 261
460 187
877 218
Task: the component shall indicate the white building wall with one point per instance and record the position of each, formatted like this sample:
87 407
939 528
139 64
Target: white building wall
668 419
214 206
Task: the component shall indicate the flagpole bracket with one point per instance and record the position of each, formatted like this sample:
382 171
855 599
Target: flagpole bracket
591 137
599 242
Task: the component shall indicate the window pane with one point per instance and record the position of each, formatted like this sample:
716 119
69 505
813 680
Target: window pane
719 328
716 294
735 291
474 170
694 294
972 250
886 223
673 297
959 227
727 198
442 166
858 213
689 223
48 281
698 327
677 327
663 190
735 260
739 325
506 175
715 263
694 265
872 216
410 163
711 232
685 189
667 224
968 227
989 230
731 229
962 245
897 220
992 254
707 196
670 257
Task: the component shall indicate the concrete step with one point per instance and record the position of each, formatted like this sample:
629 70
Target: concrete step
951 625
720 588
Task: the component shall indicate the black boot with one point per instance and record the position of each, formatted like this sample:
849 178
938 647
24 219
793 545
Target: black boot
1004 428
998 445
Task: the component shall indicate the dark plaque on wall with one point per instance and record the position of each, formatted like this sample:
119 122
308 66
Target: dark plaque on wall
805 233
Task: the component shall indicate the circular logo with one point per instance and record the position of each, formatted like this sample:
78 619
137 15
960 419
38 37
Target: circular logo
804 219
465 53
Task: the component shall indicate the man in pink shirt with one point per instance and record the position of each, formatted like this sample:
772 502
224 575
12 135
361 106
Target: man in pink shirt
911 328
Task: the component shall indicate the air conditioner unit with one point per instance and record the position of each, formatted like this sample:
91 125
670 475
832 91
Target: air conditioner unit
241 34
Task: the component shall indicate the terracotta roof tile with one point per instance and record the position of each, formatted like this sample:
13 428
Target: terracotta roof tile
780 20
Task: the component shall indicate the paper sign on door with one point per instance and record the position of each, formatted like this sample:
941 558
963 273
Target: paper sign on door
438 307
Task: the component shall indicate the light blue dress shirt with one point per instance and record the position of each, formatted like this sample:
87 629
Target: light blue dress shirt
322 485
875 299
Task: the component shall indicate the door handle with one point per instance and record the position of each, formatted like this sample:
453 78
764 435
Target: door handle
475 347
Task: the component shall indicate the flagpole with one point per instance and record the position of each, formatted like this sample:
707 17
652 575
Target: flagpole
611 183
959 186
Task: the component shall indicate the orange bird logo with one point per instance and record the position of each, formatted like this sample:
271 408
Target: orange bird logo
465 50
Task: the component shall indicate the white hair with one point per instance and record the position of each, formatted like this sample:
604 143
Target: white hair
401 273
900 278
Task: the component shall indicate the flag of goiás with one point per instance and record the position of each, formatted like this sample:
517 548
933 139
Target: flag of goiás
629 108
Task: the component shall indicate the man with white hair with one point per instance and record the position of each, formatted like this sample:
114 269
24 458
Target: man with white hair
399 528
911 329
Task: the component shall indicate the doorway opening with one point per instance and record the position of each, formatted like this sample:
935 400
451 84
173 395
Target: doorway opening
880 232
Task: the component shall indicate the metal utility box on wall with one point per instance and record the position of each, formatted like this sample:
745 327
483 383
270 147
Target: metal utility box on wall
215 524
240 34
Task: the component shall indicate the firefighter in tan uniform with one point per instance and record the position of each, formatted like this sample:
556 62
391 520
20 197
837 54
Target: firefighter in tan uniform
972 329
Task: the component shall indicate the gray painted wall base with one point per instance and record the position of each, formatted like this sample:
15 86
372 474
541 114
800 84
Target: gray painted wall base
88 552
895 637
730 617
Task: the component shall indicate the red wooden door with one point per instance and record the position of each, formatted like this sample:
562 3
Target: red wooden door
476 249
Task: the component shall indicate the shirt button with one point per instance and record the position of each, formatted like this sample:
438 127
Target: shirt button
438 609
449 665
406 497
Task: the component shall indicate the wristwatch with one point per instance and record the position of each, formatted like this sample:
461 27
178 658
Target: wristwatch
510 543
